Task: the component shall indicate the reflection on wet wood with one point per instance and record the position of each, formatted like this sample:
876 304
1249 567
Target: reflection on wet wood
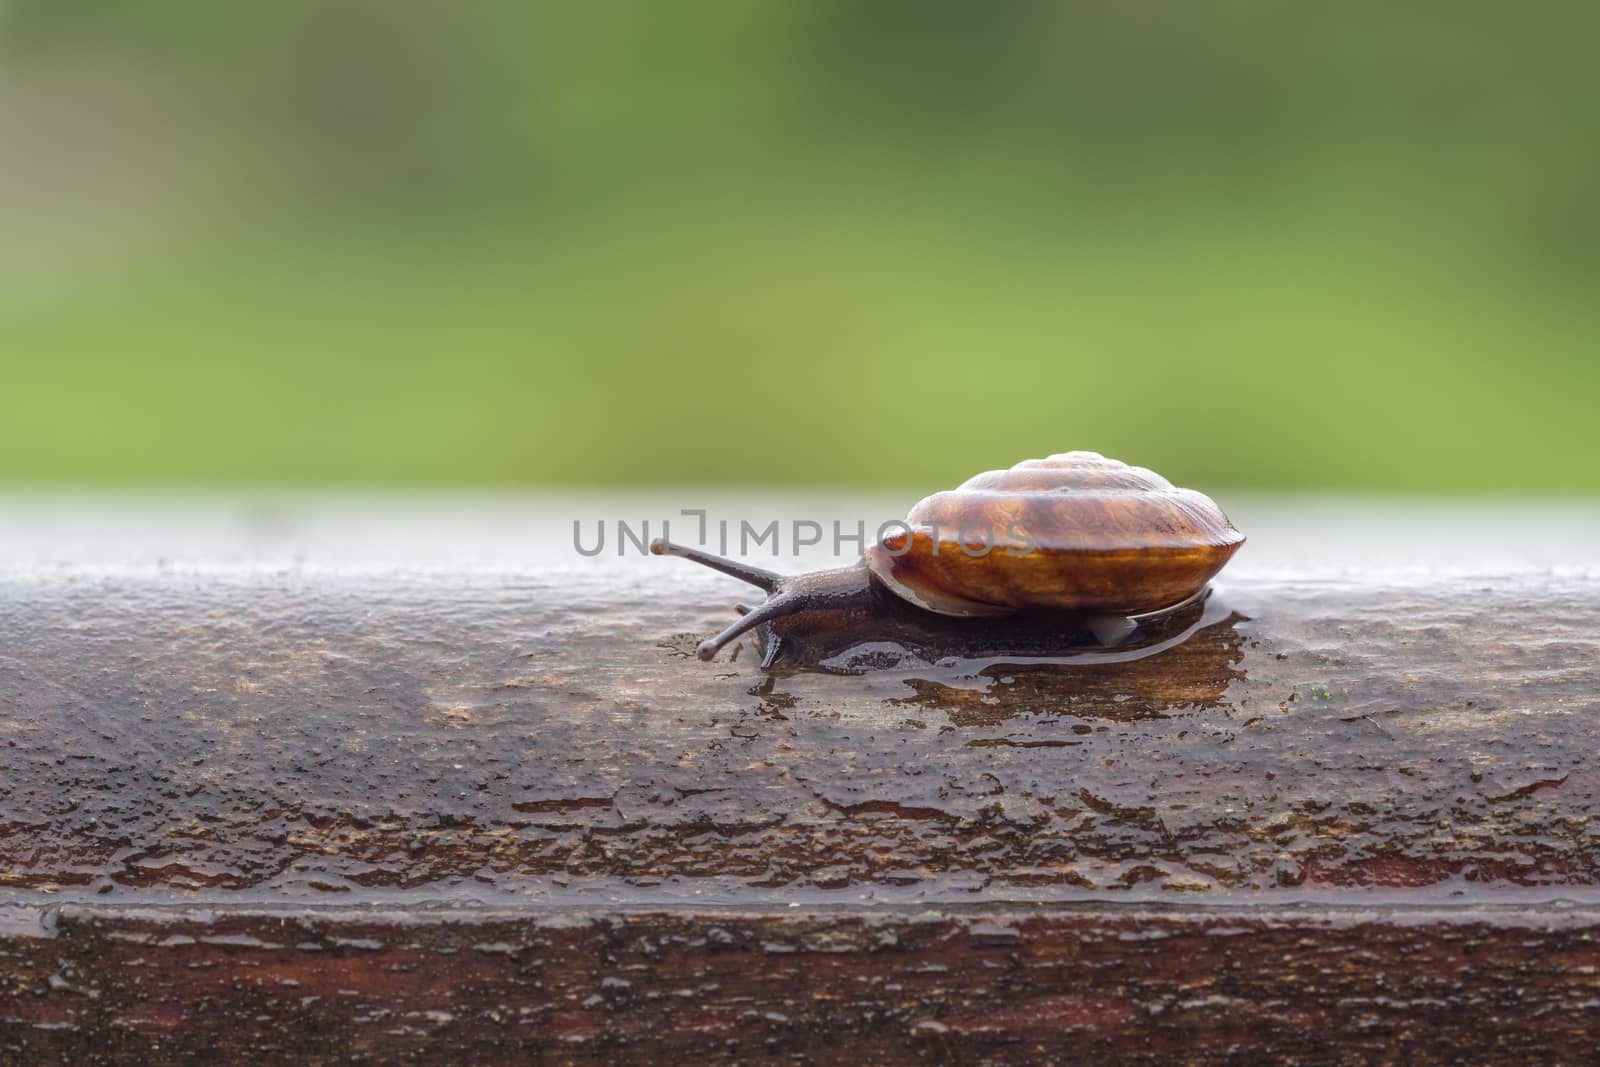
245 738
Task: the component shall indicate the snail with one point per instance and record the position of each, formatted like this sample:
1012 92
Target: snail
1075 535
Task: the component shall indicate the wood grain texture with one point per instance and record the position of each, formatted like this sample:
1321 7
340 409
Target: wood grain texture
1345 816
324 734
1003 986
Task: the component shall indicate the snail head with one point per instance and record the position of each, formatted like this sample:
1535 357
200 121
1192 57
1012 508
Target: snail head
786 594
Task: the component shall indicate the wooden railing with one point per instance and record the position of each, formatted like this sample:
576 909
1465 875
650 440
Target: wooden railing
472 815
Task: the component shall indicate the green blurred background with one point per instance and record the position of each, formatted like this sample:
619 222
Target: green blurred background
409 242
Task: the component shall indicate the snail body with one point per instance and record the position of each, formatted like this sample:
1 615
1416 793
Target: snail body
1076 534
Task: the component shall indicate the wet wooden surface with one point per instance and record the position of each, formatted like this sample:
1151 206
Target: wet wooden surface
304 809
1001 985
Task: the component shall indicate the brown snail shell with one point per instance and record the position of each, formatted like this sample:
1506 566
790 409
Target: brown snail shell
1073 533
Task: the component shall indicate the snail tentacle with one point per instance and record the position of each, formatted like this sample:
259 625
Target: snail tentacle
780 603
825 590
757 577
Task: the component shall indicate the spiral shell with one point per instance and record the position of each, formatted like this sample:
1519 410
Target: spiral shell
1074 532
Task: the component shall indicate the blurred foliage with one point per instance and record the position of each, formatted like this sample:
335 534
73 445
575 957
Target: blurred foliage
400 241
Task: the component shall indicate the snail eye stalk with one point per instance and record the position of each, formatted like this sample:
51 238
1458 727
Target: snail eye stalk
757 577
781 601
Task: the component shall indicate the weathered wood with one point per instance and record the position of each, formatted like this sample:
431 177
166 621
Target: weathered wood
320 735
645 855
1003 986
